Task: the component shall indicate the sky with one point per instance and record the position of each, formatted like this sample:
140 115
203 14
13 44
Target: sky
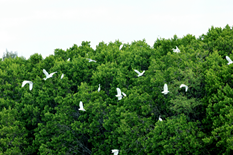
28 27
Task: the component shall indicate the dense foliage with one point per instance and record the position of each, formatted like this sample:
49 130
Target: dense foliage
46 120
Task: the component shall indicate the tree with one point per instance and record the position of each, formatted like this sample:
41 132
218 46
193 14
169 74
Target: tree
9 55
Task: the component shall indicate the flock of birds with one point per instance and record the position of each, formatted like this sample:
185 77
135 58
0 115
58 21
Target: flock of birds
119 93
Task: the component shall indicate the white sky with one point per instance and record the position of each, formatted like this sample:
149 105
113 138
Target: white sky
29 26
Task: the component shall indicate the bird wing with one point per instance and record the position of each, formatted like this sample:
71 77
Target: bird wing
46 73
24 82
81 105
165 87
182 85
30 85
51 74
62 76
137 71
123 93
228 59
118 91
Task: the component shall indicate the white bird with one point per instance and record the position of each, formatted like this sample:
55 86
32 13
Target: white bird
99 88
121 45
29 82
139 74
68 59
62 76
115 151
160 119
165 91
176 50
123 93
119 94
183 85
90 60
229 60
81 106
47 74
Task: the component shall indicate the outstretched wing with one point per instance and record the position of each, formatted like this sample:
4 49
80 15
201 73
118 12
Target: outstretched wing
118 91
25 82
81 105
165 87
123 93
30 85
45 72
137 71
228 59
51 74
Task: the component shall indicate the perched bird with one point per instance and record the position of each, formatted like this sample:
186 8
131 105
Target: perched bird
176 50
119 94
123 93
139 74
165 91
115 151
121 45
183 85
62 76
81 106
229 60
29 82
68 59
99 88
160 119
47 74
90 60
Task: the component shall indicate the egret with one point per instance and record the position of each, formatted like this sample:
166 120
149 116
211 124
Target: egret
90 60
165 91
81 106
119 94
68 59
176 50
229 60
99 88
115 151
62 76
139 74
183 85
29 82
160 119
47 74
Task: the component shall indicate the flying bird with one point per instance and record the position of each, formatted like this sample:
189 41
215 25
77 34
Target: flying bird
160 119
90 60
119 94
176 50
81 106
99 88
139 74
183 85
47 74
165 91
115 151
29 82
229 60
62 76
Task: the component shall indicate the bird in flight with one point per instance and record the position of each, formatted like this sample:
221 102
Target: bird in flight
47 74
139 74
183 85
29 82
115 151
229 60
81 106
165 91
160 119
176 50
119 94
90 60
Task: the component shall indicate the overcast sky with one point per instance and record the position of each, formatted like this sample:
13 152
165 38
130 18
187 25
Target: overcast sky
29 26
